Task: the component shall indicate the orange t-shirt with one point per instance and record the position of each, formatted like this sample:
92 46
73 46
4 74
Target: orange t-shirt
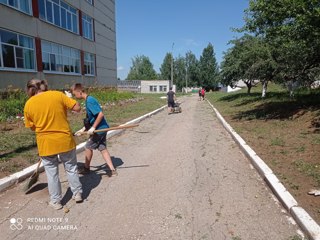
47 114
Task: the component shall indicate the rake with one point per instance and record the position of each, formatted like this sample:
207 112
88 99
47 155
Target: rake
32 179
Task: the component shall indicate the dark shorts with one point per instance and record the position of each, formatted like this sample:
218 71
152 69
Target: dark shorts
97 141
171 104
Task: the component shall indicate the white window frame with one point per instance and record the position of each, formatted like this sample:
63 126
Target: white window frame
89 64
163 88
71 55
153 88
15 46
89 1
70 12
6 2
87 25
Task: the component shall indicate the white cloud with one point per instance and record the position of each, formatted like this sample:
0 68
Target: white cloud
120 68
191 42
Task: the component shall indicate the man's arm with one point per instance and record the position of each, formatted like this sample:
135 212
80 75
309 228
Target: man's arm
76 107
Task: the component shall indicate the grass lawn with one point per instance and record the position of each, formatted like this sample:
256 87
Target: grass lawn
18 145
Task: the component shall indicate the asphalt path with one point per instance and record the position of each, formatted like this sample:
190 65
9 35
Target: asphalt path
181 176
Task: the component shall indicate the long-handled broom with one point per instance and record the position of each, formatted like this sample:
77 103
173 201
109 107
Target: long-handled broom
32 179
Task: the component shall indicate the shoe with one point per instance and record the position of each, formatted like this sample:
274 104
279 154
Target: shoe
55 205
114 173
77 197
83 170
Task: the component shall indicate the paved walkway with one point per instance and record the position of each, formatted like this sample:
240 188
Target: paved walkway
181 176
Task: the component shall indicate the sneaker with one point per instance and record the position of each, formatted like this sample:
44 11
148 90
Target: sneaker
55 205
77 197
114 173
83 170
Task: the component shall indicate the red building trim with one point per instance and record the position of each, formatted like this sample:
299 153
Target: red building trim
93 30
35 8
82 62
38 54
80 23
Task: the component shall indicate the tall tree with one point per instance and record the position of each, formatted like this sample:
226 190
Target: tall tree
209 71
165 69
179 72
248 60
141 69
192 70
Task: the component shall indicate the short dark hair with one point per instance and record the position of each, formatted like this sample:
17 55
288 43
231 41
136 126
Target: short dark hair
170 88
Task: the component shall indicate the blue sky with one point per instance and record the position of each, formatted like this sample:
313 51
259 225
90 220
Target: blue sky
150 27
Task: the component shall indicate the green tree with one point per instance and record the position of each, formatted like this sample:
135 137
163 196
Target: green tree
142 69
192 70
165 69
208 67
291 28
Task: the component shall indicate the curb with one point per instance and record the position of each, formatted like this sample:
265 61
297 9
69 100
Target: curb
304 220
15 178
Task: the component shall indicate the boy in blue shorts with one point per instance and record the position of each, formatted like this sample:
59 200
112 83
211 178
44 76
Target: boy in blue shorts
97 121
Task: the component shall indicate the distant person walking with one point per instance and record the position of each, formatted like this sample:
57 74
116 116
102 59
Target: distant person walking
97 121
203 92
200 96
171 97
45 113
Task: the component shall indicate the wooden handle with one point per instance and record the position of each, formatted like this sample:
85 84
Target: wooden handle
116 128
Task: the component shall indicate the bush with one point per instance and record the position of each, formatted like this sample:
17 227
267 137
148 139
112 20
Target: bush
12 104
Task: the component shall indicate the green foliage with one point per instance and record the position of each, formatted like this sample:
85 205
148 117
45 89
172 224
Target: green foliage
209 73
291 28
12 104
142 69
110 95
249 59
165 69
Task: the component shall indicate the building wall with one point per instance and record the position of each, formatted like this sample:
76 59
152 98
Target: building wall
154 86
103 46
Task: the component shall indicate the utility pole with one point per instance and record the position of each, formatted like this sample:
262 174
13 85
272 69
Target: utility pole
186 77
171 83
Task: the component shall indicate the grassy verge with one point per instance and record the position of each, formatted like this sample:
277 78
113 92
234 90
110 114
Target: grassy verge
283 131
18 145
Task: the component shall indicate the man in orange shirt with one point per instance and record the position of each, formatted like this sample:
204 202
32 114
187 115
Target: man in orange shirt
45 113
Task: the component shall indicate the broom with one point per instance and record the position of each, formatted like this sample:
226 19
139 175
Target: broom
32 179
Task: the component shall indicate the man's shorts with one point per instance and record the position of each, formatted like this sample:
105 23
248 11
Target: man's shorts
171 104
97 141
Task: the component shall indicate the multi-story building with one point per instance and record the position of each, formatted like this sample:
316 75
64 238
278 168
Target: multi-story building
62 41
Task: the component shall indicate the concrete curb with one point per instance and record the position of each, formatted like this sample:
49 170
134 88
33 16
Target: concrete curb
310 227
27 172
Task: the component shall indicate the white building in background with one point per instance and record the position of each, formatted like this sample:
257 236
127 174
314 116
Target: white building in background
62 41
145 86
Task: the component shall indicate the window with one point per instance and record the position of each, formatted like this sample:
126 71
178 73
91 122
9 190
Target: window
58 13
153 88
58 58
90 1
87 26
163 88
17 51
21 5
89 64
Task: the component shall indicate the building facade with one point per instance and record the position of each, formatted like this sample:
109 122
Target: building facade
62 41
145 86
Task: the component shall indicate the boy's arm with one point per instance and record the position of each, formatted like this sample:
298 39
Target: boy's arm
96 123
98 120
